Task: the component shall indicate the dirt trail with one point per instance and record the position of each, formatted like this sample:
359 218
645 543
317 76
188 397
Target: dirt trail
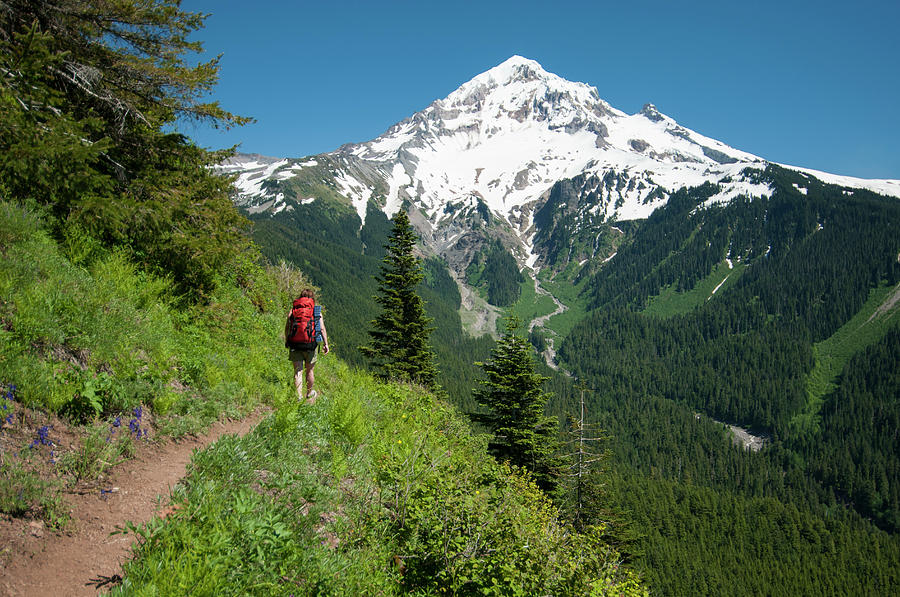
49 564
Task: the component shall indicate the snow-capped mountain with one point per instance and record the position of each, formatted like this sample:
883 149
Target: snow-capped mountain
487 155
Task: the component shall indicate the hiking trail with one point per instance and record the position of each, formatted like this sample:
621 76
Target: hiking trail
86 559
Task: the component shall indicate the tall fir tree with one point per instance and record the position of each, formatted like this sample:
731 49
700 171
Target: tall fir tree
400 347
514 399
90 93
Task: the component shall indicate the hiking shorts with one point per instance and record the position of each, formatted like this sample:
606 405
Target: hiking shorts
307 356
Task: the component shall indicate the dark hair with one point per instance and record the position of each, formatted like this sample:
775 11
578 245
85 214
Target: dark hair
308 293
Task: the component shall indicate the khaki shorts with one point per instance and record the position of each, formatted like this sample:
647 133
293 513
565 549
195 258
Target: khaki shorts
306 356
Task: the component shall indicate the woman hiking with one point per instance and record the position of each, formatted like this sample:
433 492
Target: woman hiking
305 327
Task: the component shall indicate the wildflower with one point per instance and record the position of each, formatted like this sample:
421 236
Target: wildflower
117 422
43 436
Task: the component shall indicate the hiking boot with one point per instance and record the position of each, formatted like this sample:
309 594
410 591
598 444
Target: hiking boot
311 397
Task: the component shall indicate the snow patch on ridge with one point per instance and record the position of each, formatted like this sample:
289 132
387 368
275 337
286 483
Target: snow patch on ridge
397 181
732 190
717 287
876 185
357 192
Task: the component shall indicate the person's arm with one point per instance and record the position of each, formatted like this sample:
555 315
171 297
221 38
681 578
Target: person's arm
324 335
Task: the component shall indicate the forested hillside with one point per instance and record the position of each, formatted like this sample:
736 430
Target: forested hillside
816 276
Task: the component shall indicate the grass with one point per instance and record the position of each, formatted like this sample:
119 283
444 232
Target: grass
376 489
867 327
25 492
101 448
670 302
102 338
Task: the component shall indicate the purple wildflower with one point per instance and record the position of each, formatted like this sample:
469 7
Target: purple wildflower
44 436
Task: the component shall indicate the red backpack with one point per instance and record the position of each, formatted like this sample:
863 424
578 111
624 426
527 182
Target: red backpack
302 325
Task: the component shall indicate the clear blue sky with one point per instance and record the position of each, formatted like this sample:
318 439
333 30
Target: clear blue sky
807 83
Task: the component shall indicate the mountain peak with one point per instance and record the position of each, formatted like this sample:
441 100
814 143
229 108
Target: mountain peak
499 144
516 68
517 71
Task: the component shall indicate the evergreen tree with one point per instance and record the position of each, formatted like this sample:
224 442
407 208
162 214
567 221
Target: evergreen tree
90 93
400 348
522 433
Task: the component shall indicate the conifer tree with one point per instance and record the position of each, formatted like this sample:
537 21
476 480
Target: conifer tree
400 346
512 395
90 92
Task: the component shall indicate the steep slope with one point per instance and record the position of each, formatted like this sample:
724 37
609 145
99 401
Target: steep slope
378 489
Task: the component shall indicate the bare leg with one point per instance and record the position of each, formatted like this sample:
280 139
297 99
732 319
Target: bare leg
310 381
298 378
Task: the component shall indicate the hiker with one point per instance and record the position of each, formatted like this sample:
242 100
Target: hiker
304 329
